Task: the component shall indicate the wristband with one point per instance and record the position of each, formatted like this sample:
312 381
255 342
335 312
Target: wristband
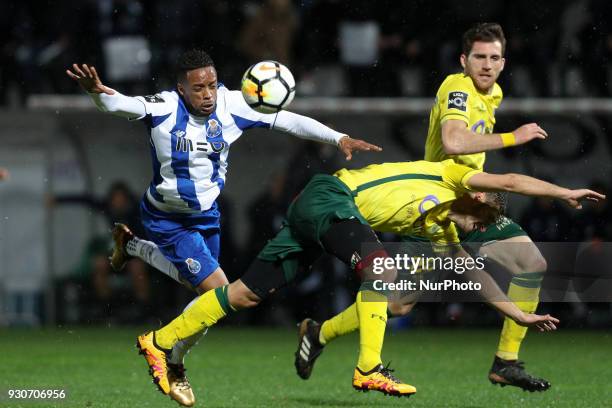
508 139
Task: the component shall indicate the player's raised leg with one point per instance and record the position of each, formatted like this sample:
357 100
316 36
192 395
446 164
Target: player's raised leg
164 350
523 260
261 279
180 387
127 245
356 244
194 255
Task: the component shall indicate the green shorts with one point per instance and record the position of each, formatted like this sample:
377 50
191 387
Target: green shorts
503 229
324 201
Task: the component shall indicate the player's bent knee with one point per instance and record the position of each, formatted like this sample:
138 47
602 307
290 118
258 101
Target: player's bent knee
374 267
213 281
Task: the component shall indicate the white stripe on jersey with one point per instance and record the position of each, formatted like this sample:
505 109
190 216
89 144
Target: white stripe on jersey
190 158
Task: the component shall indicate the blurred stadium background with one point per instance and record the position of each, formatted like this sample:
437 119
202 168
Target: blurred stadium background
367 68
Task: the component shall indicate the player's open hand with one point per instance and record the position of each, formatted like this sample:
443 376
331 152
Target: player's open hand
574 198
528 132
347 145
88 79
542 323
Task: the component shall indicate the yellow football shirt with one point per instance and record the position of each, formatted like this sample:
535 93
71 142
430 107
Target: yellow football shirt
458 99
409 198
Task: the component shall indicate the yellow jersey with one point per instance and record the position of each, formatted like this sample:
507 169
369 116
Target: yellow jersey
409 198
458 99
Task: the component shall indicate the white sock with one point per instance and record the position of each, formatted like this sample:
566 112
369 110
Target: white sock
150 253
182 347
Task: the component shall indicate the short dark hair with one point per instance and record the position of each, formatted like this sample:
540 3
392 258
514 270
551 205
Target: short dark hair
192 59
485 32
498 200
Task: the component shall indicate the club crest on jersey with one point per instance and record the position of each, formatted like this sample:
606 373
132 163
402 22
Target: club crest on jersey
213 129
193 265
457 100
179 133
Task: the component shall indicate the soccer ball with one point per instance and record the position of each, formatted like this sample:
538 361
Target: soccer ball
268 86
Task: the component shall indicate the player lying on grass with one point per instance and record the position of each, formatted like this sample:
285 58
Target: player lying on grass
191 129
339 214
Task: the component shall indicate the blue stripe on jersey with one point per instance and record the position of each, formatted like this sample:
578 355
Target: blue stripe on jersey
180 160
158 120
244 123
215 158
154 121
157 178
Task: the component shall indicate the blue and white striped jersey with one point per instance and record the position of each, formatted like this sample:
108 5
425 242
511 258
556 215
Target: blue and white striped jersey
190 153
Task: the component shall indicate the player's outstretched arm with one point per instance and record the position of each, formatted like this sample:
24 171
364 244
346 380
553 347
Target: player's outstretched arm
348 145
541 322
493 295
105 98
458 139
308 128
87 77
531 186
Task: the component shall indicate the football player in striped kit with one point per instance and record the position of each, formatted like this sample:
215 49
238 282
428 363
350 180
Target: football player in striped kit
191 129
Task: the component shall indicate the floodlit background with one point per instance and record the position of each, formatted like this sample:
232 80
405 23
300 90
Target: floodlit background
369 69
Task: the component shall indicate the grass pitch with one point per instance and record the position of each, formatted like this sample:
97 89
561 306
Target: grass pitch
254 368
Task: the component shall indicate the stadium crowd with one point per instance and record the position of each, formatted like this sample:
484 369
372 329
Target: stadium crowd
354 48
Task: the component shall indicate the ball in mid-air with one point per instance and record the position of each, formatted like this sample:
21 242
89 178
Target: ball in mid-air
268 86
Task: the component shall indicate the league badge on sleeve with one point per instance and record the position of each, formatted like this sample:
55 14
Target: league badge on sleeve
153 98
457 100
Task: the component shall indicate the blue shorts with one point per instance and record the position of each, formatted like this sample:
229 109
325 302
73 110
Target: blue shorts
189 241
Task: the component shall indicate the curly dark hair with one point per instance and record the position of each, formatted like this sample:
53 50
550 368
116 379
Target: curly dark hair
486 32
192 59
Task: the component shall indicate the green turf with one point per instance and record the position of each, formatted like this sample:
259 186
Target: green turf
254 368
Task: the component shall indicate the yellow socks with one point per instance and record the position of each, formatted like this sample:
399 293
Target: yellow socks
339 325
524 291
372 312
205 312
